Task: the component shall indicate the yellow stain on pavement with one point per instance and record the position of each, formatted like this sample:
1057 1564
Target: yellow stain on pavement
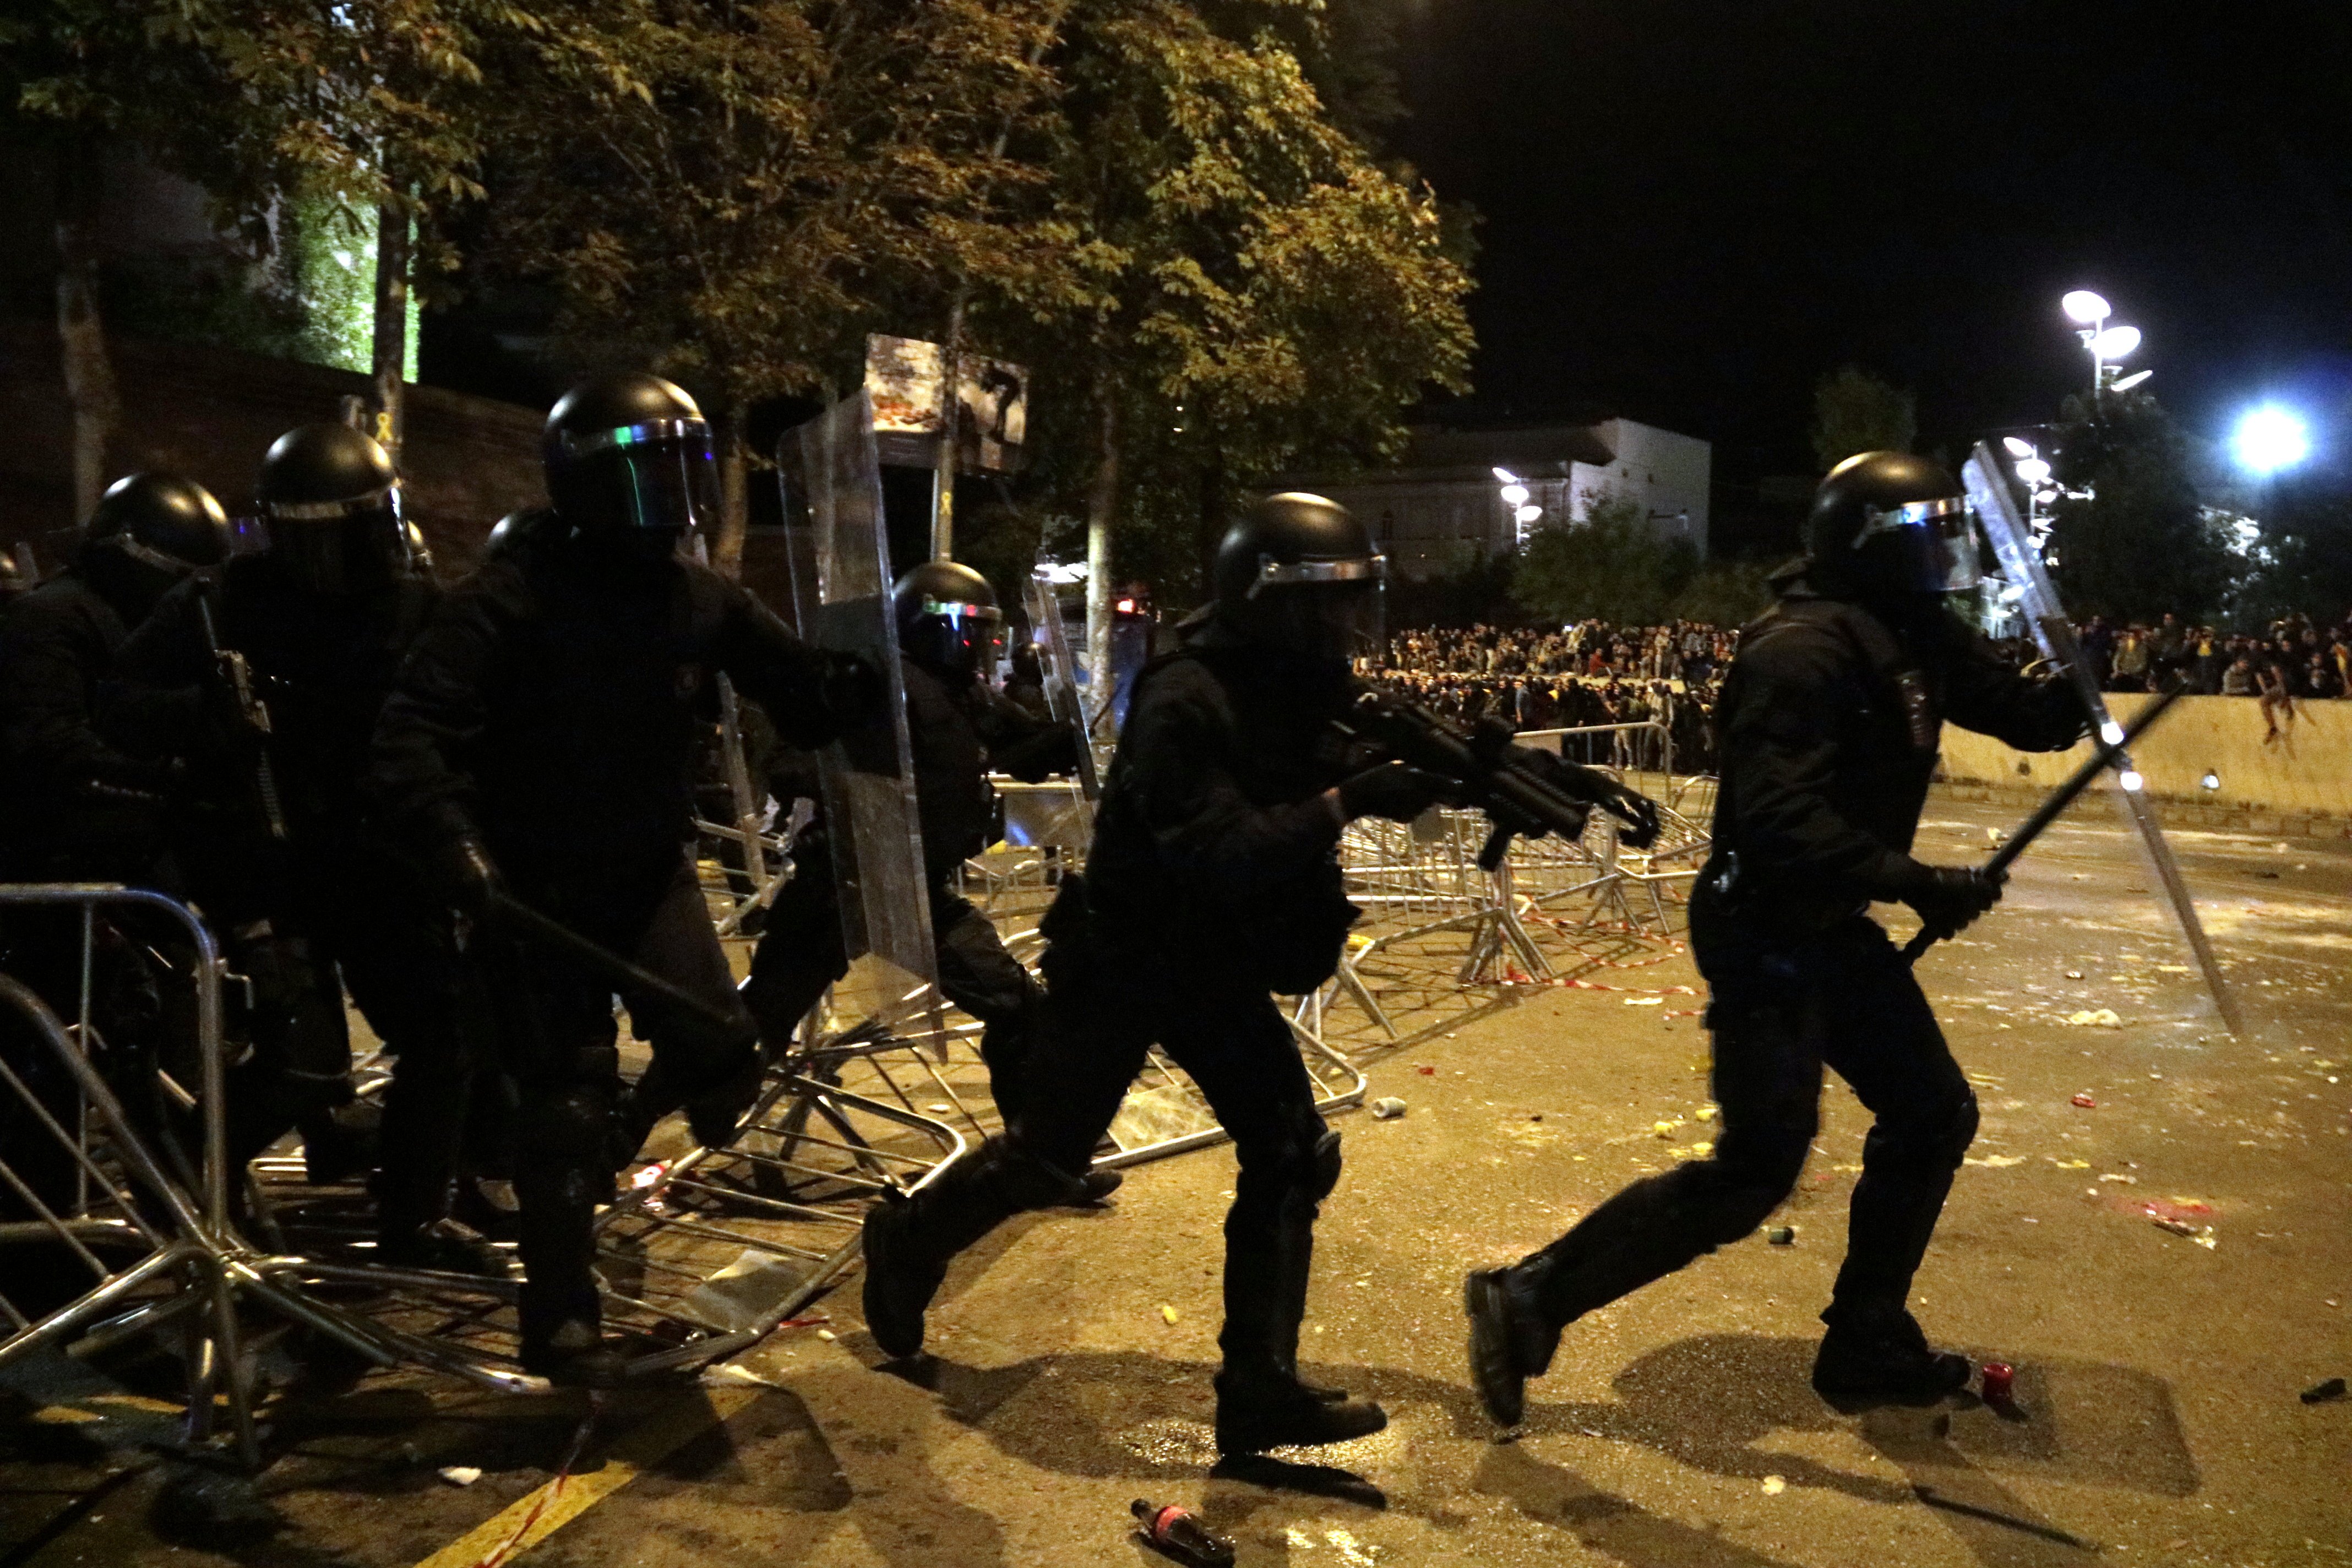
532 1519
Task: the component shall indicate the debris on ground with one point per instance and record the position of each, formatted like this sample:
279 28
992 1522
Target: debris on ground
1179 1533
461 1475
1168 1313
1387 1110
1781 1236
1997 1379
1775 1485
2325 1393
2096 1018
2086 1102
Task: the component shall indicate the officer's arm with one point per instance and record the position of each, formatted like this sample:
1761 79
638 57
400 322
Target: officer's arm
1019 743
811 696
48 704
437 711
1780 754
1208 831
1983 694
156 699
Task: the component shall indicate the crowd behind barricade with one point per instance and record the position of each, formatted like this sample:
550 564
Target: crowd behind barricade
1578 677
2295 658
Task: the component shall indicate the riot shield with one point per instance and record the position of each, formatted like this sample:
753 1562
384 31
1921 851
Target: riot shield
2013 546
1062 677
840 555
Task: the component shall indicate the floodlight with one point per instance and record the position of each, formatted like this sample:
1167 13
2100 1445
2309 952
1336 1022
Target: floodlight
1514 495
2116 342
2017 449
2084 306
2033 471
2126 383
1530 513
1507 477
2269 438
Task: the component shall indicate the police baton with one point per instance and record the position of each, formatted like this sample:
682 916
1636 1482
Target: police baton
504 909
2061 797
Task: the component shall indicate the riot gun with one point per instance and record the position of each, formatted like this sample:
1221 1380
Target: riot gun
1522 791
247 718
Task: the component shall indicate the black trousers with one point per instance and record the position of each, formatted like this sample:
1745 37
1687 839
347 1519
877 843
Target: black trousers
1105 1009
1782 1008
559 1042
801 953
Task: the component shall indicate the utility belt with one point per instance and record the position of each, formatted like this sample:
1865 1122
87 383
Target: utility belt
1728 891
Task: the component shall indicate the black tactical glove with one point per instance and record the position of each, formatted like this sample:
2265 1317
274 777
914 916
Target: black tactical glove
464 873
1391 790
1947 898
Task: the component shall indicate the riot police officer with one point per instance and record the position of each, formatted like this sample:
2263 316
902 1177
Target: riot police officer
322 615
947 617
1827 729
90 757
1212 883
537 749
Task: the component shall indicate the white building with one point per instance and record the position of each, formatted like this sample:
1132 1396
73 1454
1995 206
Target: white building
1443 505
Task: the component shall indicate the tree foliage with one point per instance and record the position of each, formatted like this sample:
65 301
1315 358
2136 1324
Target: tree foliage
1854 411
2129 535
1613 566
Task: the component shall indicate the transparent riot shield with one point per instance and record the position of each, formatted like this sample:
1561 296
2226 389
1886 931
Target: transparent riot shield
840 555
2020 556
1062 677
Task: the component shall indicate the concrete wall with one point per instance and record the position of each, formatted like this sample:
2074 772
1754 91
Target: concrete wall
2305 772
1671 474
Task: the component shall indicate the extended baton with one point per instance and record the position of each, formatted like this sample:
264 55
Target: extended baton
506 910
2061 797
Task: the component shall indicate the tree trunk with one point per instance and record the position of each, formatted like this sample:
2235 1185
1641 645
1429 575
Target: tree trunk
944 462
389 357
81 329
1102 506
734 493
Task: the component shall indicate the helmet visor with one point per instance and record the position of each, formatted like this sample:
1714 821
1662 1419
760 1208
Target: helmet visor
1927 546
953 636
661 477
1340 619
341 547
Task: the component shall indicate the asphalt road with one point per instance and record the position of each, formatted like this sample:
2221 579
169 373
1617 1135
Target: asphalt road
2157 1374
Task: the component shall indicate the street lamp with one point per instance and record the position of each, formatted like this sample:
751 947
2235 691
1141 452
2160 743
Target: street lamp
2104 344
2269 438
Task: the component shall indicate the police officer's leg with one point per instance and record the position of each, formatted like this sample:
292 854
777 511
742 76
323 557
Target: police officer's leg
1089 1038
1235 1045
1883 1039
711 1067
800 954
978 976
1766 1017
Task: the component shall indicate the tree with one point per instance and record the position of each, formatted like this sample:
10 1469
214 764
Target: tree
737 195
1258 290
1613 566
2129 538
2302 560
1854 411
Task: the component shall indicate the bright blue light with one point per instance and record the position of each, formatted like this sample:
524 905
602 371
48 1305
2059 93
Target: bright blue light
2269 438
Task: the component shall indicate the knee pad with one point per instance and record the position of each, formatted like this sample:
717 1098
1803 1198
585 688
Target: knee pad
1958 1130
1323 1166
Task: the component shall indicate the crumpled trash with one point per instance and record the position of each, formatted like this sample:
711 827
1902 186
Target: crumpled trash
2096 1018
1775 1485
1781 1236
2086 1102
461 1475
744 1292
2322 1394
1387 1110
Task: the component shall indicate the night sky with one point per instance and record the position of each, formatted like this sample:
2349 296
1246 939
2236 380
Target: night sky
1695 207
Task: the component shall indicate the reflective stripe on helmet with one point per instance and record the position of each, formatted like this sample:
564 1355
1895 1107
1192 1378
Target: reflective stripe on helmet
1274 573
1914 514
318 510
581 443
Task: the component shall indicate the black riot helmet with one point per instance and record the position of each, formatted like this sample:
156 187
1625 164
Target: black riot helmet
148 531
1887 525
332 503
629 462
507 535
1297 572
947 616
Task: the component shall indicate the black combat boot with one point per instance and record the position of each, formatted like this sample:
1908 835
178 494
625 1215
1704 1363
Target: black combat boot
572 1352
1874 1358
910 1241
1511 1341
1261 1407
